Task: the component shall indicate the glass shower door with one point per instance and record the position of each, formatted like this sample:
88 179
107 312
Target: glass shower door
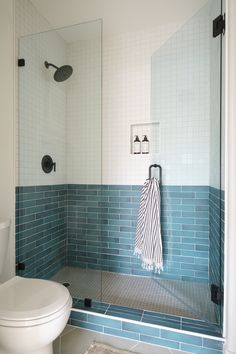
186 101
58 233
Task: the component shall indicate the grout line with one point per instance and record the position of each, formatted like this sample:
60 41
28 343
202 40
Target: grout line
141 320
69 331
107 309
134 346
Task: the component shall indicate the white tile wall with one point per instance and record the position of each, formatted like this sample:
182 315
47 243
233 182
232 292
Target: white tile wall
83 111
42 109
180 102
42 128
126 101
39 130
28 20
174 72
153 75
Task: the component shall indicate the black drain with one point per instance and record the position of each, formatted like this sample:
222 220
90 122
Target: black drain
67 285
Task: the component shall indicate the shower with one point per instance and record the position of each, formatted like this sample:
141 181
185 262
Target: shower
78 225
62 73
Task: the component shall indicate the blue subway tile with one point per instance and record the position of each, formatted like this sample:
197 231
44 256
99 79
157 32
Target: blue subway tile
86 325
137 188
119 187
212 344
120 333
198 350
80 316
159 341
133 327
107 322
179 337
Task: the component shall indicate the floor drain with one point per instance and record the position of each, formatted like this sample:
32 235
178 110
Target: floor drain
67 285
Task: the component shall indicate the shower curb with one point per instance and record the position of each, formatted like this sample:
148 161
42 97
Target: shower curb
167 337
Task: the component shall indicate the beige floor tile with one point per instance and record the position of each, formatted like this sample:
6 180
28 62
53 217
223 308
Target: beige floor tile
117 342
143 348
56 346
77 341
68 329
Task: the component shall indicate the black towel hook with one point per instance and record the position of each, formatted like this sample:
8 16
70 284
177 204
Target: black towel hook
160 171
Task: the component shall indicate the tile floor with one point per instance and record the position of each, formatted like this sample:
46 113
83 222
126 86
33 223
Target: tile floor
76 341
180 298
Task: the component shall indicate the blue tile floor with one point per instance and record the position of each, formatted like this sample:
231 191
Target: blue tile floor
162 301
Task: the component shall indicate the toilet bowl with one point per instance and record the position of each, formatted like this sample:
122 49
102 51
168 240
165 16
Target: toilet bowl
33 312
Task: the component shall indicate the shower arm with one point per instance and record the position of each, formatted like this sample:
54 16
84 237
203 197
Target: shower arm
47 64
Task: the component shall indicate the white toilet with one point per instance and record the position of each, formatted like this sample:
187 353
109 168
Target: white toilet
33 312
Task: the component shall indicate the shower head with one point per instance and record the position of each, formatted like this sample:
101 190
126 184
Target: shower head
62 73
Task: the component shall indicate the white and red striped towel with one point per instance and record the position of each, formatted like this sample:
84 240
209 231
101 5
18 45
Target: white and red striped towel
148 243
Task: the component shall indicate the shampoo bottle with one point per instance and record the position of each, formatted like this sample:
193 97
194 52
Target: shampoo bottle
145 145
136 145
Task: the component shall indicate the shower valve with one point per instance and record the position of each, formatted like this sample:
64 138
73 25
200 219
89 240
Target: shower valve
48 164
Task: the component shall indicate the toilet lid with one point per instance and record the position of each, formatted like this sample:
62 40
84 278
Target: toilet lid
27 299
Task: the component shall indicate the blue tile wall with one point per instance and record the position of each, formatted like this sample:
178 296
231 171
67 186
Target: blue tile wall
41 229
216 237
102 224
93 226
147 333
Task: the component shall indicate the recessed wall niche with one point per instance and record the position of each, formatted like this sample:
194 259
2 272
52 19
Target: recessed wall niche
152 132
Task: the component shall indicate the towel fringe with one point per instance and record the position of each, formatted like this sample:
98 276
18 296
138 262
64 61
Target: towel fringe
148 264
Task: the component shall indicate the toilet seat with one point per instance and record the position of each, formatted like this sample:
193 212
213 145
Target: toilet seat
29 302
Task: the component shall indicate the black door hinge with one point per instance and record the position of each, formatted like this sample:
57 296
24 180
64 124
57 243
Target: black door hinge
21 62
217 294
87 302
20 266
219 25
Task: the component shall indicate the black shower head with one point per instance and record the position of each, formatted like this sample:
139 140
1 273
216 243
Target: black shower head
61 74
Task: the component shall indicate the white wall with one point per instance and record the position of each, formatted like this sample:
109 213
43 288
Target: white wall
7 171
41 101
27 21
42 109
83 111
119 17
180 102
126 100
179 70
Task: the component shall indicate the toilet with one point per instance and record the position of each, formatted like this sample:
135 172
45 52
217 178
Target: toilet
33 312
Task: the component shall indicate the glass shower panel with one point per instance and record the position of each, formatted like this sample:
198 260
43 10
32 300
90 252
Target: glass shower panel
186 101
186 116
216 189
58 201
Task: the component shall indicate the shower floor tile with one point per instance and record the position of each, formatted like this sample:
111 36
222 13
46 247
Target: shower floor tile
173 297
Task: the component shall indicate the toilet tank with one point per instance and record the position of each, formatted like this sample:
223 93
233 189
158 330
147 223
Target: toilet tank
4 238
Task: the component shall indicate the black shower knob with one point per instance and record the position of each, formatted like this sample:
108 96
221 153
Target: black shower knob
47 164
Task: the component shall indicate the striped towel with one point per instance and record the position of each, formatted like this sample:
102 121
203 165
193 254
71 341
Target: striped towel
148 244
